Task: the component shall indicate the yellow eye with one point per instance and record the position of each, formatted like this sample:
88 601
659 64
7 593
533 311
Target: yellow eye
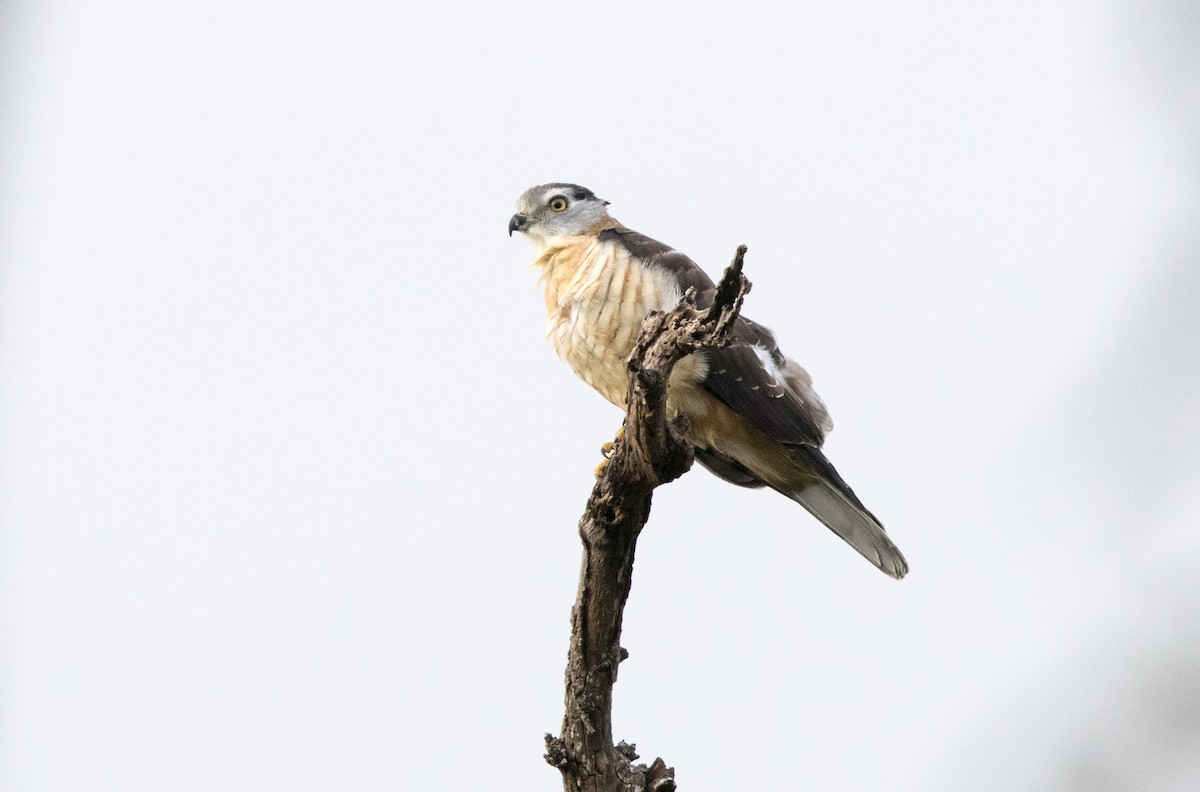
558 204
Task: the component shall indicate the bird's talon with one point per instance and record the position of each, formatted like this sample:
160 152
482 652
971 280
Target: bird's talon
599 471
607 448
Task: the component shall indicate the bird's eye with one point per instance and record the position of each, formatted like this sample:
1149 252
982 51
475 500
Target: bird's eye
558 203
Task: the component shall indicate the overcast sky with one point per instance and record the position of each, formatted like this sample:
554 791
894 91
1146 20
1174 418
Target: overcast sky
289 478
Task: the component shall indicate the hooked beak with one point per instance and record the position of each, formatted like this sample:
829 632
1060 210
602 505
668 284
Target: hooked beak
517 223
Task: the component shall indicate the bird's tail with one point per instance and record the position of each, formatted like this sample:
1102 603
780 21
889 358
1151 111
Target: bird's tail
830 500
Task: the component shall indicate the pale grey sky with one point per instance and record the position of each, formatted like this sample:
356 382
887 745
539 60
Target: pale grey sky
289 478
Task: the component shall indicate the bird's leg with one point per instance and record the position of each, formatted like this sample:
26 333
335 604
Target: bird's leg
607 450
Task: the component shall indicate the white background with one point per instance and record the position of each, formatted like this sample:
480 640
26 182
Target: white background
289 478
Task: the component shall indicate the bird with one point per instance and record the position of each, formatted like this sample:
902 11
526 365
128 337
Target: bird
753 418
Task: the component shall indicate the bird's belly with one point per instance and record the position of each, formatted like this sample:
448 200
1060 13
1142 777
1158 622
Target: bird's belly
599 356
597 349
595 313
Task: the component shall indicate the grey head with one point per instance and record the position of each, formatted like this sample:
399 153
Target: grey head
556 210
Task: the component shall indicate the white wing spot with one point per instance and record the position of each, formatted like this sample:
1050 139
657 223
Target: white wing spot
768 364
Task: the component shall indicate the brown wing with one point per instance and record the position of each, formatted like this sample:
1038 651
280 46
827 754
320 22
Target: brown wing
751 376
754 379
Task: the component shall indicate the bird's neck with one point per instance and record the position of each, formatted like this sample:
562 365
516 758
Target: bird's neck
547 244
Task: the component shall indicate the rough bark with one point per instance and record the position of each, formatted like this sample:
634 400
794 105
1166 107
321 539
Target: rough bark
649 451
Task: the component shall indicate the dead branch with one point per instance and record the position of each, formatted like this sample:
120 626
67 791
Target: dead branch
649 451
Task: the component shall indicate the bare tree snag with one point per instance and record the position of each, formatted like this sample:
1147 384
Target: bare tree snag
648 452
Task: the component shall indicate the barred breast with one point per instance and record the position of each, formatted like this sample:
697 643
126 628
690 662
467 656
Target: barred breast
596 297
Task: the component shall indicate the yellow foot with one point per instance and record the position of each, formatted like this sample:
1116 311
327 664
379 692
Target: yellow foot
607 448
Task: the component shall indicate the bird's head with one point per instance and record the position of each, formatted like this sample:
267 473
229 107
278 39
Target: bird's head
556 210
